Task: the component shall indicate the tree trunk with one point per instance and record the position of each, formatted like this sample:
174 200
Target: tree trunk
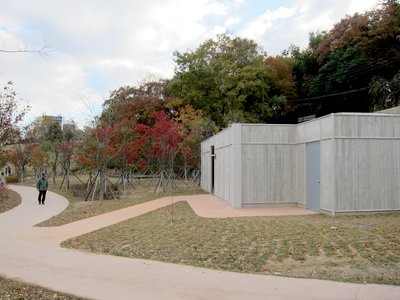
67 179
101 186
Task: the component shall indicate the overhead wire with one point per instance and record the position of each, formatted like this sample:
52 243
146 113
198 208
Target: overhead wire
339 93
370 66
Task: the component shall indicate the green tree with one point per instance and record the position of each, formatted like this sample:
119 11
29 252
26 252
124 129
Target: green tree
67 148
375 31
345 77
48 133
226 79
334 73
136 104
384 93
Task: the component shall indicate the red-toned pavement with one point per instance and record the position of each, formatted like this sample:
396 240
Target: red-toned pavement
33 255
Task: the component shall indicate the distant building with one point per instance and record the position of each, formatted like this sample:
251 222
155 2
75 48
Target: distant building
58 119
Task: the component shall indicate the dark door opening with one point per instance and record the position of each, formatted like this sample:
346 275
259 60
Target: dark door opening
212 168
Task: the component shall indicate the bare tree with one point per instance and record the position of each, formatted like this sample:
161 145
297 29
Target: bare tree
42 51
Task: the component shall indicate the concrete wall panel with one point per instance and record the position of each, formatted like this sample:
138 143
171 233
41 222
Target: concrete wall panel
312 131
265 164
223 169
345 126
326 183
268 174
375 188
366 175
268 134
326 127
346 174
374 126
222 143
396 177
396 126
300 174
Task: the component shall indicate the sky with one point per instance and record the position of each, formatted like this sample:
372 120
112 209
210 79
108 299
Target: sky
93 47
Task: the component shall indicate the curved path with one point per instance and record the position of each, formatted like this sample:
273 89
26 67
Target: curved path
33 255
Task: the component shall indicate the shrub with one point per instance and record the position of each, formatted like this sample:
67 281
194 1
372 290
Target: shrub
12 179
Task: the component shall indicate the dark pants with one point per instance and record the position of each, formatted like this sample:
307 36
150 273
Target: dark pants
42 197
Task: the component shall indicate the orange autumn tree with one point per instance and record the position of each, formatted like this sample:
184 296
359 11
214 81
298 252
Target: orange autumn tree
38 160
195 129
20 155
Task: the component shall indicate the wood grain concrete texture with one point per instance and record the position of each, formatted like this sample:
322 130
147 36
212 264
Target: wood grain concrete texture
26 256
259 164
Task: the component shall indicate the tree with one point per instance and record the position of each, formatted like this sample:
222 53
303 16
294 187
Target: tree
48 133
336 71
384 93
280 76
123 140
10 114
20 156
127 107
159 145
97 152
41 51
66 149
225 78
342 74
195 128
376 31
38 160
305 68
3 157
136 104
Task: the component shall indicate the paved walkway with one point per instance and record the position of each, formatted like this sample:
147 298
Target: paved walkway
204 205
33 255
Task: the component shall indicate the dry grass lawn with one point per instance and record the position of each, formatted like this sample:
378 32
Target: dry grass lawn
349 248
364 248
8 200
79 209
14 289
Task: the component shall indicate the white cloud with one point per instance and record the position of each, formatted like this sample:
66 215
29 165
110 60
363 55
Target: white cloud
265 22
52 88
277 30
361 6
238 2
232 21
100 45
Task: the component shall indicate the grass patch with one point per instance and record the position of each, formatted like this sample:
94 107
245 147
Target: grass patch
14 289
79 209
316 246
8 200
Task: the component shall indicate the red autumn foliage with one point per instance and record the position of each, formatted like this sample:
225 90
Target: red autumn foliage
158 144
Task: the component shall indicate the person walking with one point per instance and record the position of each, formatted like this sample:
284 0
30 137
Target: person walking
42 186
2 182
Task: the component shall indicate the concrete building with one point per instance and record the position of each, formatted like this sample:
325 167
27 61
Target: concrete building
339 163
58 119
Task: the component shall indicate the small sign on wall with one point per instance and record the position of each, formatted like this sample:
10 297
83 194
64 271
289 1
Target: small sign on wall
305 118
